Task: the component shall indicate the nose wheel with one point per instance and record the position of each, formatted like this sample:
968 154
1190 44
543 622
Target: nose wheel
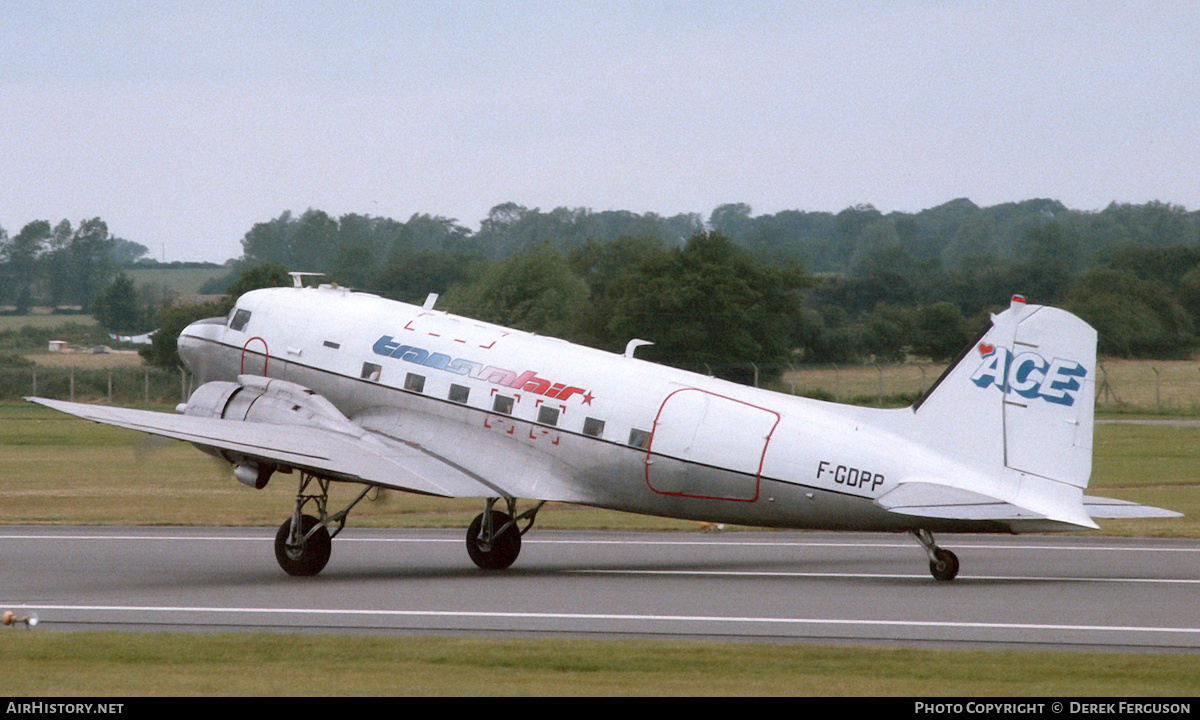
943 564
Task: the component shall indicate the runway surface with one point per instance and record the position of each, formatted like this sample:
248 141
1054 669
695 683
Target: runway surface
1031 591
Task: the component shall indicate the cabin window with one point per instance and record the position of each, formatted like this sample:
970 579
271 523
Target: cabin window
639 439
332 344
239 320
548 415
503 404
414 382
370 371
459 393
593 427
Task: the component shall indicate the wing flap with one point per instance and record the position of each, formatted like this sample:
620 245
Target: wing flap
365 457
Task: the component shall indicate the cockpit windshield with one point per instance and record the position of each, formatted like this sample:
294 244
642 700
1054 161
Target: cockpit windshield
238 318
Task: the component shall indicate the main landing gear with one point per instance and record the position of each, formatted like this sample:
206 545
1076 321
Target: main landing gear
304 543
943 564
494 537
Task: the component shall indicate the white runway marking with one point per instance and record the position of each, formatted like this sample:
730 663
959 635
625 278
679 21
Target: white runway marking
638 543
920 576
333 612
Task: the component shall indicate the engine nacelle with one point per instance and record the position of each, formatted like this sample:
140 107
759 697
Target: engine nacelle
262 400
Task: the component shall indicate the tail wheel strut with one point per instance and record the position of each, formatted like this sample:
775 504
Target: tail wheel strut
943 564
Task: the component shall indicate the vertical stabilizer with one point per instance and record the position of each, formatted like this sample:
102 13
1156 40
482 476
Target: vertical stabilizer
1022 397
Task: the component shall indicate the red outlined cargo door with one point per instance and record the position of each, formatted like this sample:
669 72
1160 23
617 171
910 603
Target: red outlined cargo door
720 441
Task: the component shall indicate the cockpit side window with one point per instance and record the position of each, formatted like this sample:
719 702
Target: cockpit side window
239 319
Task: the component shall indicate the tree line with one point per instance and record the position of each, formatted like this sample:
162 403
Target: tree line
732 294
61 265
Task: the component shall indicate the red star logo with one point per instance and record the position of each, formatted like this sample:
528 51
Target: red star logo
587 398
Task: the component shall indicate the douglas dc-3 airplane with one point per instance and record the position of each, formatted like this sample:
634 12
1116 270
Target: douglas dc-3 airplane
340 386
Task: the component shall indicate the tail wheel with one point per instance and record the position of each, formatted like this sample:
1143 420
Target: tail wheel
945 565
310 556
501 550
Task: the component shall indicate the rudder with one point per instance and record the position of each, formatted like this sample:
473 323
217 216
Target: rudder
1022 397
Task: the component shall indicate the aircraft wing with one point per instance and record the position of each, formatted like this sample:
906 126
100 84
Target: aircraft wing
367 458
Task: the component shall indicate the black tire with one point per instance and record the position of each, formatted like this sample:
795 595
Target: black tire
945 567
309 559
505 547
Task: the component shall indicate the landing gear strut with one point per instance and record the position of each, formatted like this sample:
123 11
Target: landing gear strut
494 537
943 564
304 543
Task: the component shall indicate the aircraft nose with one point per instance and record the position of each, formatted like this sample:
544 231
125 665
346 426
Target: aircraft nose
196 341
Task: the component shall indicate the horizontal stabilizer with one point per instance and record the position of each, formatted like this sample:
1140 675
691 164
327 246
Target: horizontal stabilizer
944 502
1109 509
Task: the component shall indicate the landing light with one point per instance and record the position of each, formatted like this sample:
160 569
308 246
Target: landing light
253 474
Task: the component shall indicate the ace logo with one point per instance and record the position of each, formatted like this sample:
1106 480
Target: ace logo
1029 375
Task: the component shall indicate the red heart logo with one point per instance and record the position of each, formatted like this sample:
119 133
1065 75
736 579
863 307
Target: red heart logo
985 349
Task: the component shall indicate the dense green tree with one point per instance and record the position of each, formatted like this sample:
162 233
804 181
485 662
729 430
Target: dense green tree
255 278
888 333
885 279
1133 317
534 291
710 307
89 258
20 257
605 267
124 253
1049 259
411 278
314 243
270 241
731 220
939 331
117 309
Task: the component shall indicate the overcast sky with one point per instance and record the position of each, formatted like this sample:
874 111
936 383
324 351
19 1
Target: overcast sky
183 124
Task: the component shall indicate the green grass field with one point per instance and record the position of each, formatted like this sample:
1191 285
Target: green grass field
184 281
158 664
44 320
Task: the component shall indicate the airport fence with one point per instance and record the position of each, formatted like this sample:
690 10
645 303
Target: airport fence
117 385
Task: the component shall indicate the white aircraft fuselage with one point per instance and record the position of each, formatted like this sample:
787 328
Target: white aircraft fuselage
618 432
346 386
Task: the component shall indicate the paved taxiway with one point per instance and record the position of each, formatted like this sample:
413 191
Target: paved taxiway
1028 590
